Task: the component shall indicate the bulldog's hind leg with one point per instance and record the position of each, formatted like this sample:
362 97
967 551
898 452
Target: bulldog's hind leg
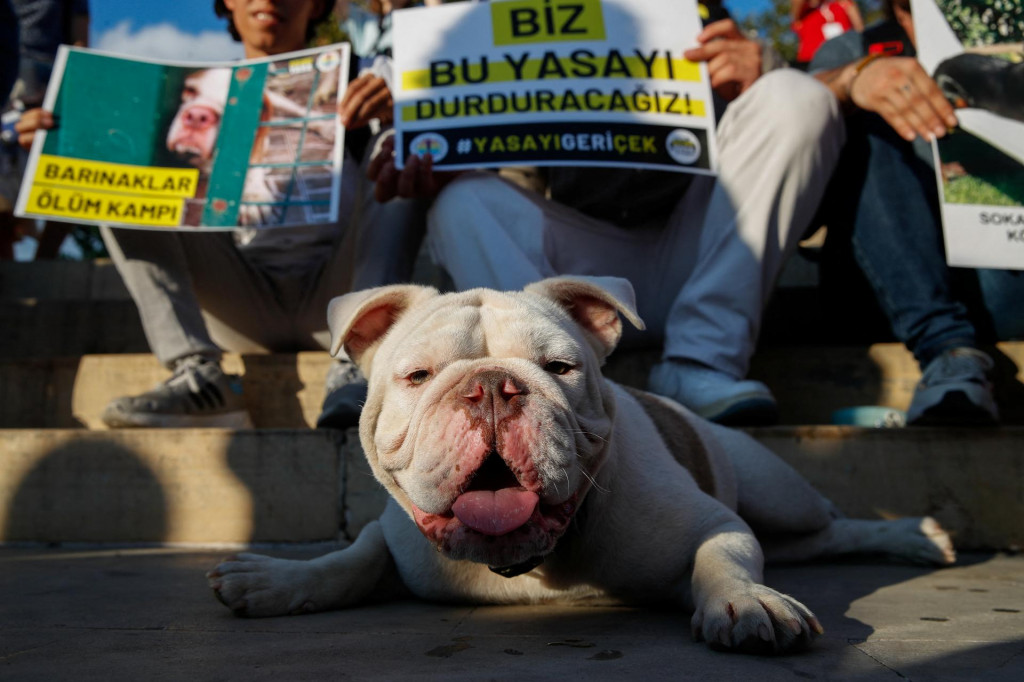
920 540
255 586
794 522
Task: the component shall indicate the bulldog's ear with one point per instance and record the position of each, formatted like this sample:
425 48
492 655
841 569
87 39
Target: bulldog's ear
594 302
359 320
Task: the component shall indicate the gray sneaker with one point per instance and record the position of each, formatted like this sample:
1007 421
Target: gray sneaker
955 391
198 395
344 395
714 395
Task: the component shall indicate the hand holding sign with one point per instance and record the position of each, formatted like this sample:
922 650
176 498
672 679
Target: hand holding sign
734 60
31 121
900 91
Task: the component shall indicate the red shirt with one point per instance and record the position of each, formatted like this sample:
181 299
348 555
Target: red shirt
819 24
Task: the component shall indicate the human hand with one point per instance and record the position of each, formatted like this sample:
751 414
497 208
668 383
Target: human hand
417 180
900 91
366 98
31 121
734 60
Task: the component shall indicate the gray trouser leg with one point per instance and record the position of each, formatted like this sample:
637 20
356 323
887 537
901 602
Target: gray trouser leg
778 145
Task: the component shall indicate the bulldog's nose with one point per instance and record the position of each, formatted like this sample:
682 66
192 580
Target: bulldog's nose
491 387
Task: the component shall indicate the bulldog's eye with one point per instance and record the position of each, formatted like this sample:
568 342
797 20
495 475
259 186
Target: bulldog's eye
557 367
418 377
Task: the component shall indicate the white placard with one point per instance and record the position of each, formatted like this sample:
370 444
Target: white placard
538 82
983 225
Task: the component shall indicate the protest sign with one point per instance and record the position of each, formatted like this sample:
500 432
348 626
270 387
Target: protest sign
974 51
212 146
539 82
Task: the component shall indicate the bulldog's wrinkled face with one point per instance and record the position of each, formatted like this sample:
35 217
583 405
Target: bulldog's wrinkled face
487 418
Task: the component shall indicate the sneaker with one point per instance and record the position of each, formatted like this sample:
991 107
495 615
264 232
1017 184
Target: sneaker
198 395
714 395
344 395
955 391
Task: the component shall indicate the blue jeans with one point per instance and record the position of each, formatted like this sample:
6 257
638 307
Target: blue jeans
887 202
884 198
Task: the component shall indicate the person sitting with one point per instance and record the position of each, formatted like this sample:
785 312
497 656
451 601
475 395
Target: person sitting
40 27
701 252
264 290
885 206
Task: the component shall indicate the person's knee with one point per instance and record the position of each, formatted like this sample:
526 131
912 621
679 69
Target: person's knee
461 201
799 108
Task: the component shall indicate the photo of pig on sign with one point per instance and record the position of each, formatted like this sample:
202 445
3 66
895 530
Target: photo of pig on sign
149 144
553 82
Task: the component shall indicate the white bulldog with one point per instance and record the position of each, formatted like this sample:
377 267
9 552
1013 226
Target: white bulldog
519 474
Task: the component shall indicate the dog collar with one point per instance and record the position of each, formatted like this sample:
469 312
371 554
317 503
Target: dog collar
518 569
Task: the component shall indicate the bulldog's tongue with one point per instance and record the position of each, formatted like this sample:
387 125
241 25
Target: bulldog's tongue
495 512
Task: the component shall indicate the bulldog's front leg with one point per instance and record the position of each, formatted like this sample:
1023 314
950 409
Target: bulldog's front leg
256 586
733 610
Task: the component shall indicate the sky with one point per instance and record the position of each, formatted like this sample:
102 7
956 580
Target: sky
188 29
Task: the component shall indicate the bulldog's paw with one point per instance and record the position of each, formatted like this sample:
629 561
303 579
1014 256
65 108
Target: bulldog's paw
755 620
925 542
255 586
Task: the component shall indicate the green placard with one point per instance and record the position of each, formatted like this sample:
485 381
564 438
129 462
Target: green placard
115 110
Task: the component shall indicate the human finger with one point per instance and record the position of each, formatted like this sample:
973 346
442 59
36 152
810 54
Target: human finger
377 104
428 180
385 154
895 116
921 113
930 90
915 110
386 187
361 96
706 52
723 28
32 121
407 177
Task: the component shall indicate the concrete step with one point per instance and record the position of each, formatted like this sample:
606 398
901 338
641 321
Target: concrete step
67 308
221 487
65 328
98 280
282 390
286 390
811 382
61 280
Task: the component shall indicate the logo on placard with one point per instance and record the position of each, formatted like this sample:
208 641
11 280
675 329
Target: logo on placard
683 146
429 143
327 62
300 65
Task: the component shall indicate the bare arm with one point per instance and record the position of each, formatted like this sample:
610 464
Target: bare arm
853 11
79 30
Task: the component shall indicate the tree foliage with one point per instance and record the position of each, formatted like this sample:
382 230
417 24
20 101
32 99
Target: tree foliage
329 32
985 22
772 25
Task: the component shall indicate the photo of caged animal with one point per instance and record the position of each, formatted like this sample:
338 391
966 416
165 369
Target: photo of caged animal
289 177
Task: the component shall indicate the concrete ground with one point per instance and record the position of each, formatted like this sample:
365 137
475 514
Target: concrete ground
147 614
